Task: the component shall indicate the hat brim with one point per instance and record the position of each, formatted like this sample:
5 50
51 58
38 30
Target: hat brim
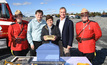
18 14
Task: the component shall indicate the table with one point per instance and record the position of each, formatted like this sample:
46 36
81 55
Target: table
63 60
75 60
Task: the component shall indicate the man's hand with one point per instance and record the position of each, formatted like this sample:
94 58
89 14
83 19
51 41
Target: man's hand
68 47
32 47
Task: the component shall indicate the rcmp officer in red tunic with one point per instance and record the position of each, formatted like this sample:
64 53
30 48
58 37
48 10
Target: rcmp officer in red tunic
87 33
17 33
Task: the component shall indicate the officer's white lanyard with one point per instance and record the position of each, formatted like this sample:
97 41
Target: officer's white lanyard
86 25
20 23
83 29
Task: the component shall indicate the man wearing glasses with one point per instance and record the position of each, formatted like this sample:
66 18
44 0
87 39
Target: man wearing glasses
87 33
34 32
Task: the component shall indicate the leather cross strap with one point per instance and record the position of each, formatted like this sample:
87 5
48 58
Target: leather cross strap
21 30
83 29
19 33
16 40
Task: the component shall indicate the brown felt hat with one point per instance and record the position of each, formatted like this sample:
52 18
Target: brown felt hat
18 12
84 11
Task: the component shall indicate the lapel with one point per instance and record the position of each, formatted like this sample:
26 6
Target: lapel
58 23
65 24
46 27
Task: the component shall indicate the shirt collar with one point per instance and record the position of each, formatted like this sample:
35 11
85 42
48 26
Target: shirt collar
19 22
49 27
63 19
40 21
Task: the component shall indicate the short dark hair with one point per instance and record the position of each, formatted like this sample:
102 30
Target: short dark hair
63 8
39 11
49 17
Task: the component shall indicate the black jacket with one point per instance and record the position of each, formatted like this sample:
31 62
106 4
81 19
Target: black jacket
54 31
67 32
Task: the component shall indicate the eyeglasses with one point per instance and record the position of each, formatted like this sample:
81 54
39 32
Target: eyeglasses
20 15
84 15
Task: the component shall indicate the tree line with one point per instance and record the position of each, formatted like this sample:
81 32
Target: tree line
91 14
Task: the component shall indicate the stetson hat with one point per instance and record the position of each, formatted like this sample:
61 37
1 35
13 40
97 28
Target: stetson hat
84 11
18 12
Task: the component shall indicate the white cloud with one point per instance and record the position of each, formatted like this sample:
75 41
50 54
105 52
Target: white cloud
25 3
50 11
103 10
71 12
30 12
43 3
47 0
76 5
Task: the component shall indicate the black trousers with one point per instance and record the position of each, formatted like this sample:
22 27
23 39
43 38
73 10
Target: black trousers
36 45
90 56
20 53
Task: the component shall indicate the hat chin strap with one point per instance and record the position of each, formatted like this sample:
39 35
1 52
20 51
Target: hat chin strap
85 21
19 22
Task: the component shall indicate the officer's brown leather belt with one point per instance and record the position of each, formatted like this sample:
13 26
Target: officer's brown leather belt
22 39
87 38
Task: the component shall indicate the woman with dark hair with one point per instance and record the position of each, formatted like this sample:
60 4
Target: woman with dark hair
50 30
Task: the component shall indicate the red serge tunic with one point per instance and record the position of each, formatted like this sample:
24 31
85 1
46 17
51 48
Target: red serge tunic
88 46
14 30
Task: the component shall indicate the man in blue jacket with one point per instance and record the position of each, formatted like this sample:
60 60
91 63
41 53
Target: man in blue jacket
67 32
34 31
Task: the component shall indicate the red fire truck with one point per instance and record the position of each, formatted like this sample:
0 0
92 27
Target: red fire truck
6 18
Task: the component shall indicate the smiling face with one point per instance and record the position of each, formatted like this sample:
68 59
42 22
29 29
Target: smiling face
62 13
49 22
39 16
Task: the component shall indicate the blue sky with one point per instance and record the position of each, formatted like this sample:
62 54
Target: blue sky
28 7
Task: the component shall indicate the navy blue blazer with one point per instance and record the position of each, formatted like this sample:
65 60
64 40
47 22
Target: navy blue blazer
67 32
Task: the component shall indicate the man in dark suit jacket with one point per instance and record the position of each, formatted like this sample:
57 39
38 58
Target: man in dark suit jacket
67 32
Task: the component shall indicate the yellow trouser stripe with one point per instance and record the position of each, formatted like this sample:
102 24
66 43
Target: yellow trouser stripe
12 52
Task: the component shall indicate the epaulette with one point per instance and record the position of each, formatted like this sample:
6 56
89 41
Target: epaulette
13 23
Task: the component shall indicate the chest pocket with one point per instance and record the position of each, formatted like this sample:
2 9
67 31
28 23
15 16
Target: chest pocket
79 30
16 31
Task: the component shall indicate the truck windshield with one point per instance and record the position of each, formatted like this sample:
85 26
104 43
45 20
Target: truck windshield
4 13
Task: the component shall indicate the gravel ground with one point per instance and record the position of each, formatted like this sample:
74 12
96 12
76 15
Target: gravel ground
101 44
